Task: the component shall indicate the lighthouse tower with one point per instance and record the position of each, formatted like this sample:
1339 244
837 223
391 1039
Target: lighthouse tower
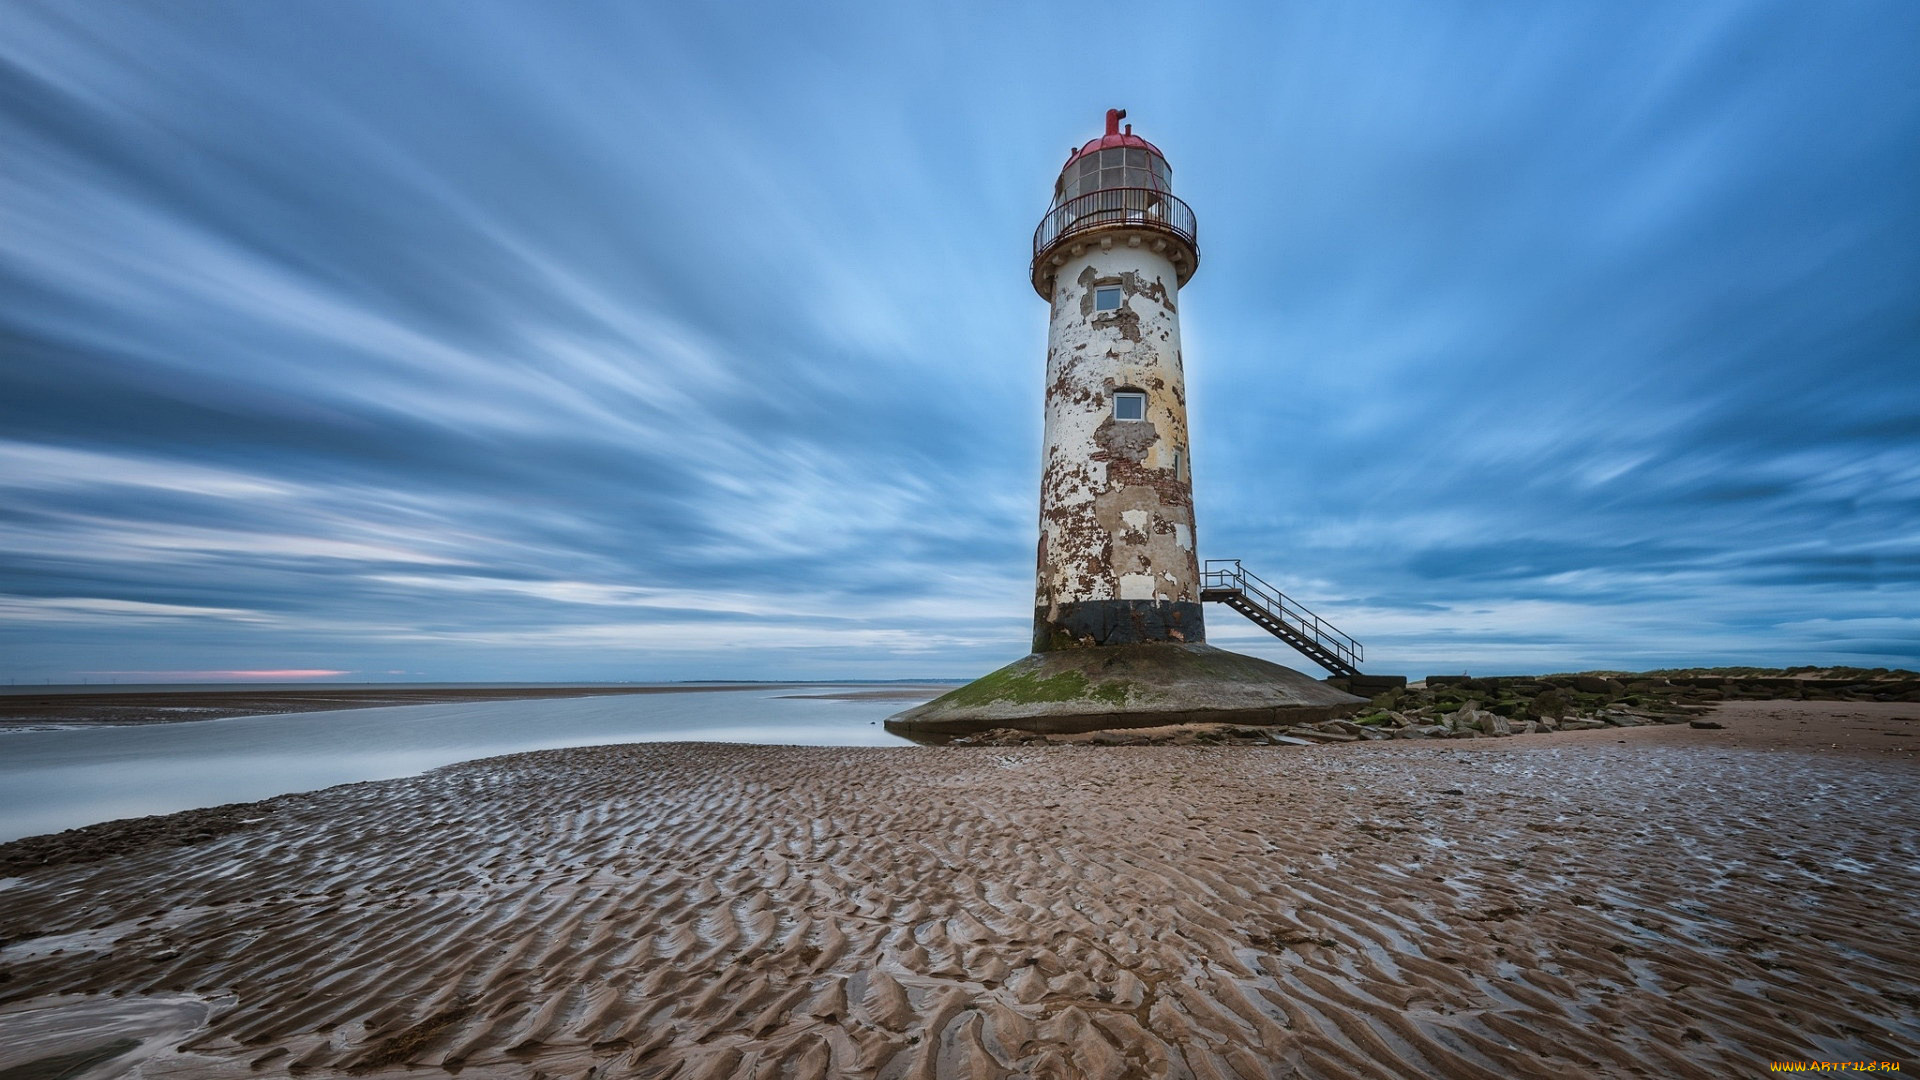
1116 561
1118 637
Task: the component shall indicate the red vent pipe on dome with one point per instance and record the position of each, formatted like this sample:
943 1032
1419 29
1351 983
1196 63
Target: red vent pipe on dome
1114 116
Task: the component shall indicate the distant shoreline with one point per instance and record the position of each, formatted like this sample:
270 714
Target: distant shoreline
159 705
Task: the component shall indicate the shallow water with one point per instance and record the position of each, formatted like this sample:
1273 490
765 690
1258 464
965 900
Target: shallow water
60 779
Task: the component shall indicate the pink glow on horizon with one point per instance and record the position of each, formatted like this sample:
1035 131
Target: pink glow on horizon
282 674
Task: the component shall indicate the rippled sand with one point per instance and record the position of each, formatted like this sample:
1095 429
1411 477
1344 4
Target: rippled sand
1670 905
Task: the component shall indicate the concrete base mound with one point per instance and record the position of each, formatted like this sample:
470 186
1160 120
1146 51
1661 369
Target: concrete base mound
1124 686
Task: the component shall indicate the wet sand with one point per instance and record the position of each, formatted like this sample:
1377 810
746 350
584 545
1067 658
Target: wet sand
1846 728
1660 901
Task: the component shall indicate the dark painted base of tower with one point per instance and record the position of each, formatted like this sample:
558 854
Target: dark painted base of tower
1117 622
1061 691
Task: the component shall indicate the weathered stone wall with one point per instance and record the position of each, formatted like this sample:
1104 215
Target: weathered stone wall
1116 562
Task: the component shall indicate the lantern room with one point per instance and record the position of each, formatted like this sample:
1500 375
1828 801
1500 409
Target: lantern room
1118 159
1116 188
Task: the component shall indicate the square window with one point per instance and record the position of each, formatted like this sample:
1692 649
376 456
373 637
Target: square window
1129 406
1106 298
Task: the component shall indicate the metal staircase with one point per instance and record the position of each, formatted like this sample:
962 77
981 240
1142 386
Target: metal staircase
1226 581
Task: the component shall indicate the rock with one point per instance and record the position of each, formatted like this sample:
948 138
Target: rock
1531 727
1473 718
1344 727
1593 684
1577 724
1317 735
1549 703
1422 731
1712 725
1288 740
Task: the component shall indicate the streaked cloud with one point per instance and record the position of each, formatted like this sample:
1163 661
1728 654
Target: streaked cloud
495 341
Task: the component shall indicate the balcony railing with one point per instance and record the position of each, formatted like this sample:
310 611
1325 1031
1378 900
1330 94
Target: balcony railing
1115 206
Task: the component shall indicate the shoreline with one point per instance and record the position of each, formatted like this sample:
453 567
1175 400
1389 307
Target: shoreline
1665 900
66 708
1867 729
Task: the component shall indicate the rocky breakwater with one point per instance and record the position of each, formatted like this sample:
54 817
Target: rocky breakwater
1473 721
1463 707
1459 707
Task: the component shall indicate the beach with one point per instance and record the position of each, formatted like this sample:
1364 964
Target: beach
1642 901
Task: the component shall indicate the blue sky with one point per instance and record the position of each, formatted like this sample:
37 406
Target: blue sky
488 340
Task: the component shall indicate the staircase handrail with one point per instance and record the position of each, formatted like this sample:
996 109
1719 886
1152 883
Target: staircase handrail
1283 606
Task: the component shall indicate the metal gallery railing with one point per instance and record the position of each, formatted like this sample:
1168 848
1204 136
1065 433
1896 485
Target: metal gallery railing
1115 206
1227 575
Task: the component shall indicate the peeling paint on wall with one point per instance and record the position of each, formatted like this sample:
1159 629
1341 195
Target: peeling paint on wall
1116 497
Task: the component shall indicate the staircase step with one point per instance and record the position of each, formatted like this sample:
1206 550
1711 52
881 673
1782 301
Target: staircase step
1333 657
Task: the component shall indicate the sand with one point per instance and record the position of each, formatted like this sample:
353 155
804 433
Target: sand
1847 728
1661 901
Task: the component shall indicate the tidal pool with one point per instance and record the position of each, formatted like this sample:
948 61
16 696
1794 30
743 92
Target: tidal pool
63 778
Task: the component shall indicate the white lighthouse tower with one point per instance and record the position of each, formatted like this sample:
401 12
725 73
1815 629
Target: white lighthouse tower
1118 635
1116 562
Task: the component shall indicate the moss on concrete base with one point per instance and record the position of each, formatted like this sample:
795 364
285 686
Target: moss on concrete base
1072 690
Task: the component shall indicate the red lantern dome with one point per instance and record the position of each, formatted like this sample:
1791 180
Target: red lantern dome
1116 137
1116 188
1117 159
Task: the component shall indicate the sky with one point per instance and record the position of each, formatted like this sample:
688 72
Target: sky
529 341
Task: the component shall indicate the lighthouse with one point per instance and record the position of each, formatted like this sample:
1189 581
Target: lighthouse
1119 639
1116 558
